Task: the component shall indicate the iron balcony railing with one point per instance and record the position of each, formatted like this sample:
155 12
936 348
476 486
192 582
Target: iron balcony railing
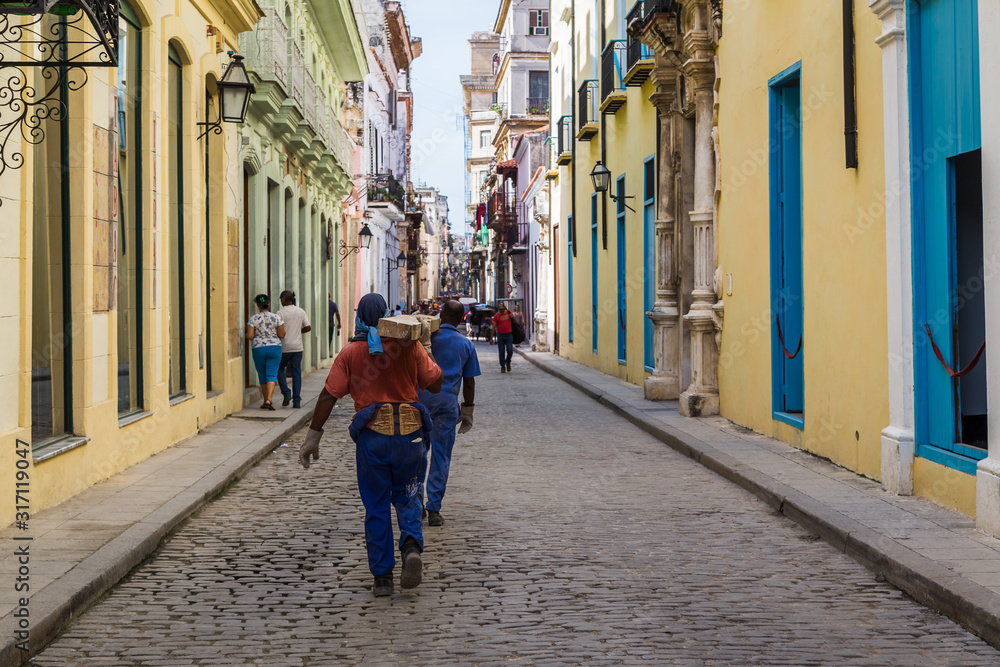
612 68
536 106
267 49
517 236
589 109
637 51
501 209
553 148
297 71
385 189
565 137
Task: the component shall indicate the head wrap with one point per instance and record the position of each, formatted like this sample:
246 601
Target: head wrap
371 309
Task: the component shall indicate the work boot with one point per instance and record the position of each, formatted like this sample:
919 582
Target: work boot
434 518
503 369
288 399
296 405
508 368
383 585
412 565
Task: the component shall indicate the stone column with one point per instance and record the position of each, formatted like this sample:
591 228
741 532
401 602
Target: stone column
897 437
664 383
702 396
988 474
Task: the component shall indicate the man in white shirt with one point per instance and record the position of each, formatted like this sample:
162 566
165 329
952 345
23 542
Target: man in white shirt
296 323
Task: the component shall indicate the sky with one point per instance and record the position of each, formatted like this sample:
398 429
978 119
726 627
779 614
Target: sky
438 140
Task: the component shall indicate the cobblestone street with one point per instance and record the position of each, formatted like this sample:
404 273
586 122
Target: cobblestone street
571 537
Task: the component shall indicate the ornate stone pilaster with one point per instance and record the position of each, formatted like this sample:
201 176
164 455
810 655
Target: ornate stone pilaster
664 383
702 396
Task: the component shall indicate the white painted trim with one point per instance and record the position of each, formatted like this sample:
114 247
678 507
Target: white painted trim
988 476
897 437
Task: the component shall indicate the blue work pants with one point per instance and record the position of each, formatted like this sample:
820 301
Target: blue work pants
390 472
505 344
292 361
442 443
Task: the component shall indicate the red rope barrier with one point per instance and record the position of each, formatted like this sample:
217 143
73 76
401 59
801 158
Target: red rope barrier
952 373
781 338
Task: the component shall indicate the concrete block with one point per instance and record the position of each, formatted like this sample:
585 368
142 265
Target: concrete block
405 327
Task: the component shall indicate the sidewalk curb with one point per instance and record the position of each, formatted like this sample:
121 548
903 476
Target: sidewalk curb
58 604
972 606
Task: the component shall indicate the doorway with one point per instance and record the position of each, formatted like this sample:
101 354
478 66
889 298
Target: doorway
969 302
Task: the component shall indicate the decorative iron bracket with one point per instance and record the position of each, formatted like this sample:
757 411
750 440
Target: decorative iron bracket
61 38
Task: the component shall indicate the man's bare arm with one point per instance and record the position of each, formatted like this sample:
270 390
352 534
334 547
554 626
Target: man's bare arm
324 406
469 391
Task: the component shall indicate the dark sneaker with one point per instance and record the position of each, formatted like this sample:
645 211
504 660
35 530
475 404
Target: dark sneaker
508 368
412 565
296 405
288 399
383 586
434 518
503 369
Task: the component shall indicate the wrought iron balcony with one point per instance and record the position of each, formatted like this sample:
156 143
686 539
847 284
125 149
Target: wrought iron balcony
536 106
589 111
384 190
501 209
641 59
267 49
552 144
613 96
565 140
516 238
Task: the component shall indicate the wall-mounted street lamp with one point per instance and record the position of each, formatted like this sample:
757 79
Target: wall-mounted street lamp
601 176
235 90
400 262
364 241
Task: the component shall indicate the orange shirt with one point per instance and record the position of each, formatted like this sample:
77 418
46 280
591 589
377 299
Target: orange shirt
392 377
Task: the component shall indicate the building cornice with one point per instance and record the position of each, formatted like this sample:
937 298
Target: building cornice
239 15
501 16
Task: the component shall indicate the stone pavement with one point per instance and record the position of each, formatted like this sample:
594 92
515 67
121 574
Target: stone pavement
934 554
83 546
571 537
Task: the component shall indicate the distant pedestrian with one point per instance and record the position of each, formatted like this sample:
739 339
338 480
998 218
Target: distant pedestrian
475 319
519 320
456 355
334 319
265 331
296 323
390 429
503 321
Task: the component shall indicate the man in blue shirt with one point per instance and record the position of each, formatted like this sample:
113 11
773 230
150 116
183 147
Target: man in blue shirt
456 355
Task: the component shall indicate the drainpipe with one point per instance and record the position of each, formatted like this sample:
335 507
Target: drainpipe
850 94
604 135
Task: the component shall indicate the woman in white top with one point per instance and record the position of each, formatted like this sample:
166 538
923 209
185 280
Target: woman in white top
265 331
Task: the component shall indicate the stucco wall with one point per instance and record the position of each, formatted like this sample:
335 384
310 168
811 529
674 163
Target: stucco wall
844 274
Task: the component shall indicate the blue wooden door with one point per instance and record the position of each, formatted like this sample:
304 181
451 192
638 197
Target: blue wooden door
569 278
945 112
788 346
622 287
593 269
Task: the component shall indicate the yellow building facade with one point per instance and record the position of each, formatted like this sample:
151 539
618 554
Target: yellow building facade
602 245
802 242
125 252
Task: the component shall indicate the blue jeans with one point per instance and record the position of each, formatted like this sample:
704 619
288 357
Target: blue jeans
390 473
293 361
442 444
505 345
266 360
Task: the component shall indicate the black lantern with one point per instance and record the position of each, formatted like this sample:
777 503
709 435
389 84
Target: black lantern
401 258
364 241
365 237
601 176
235 90
602 183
